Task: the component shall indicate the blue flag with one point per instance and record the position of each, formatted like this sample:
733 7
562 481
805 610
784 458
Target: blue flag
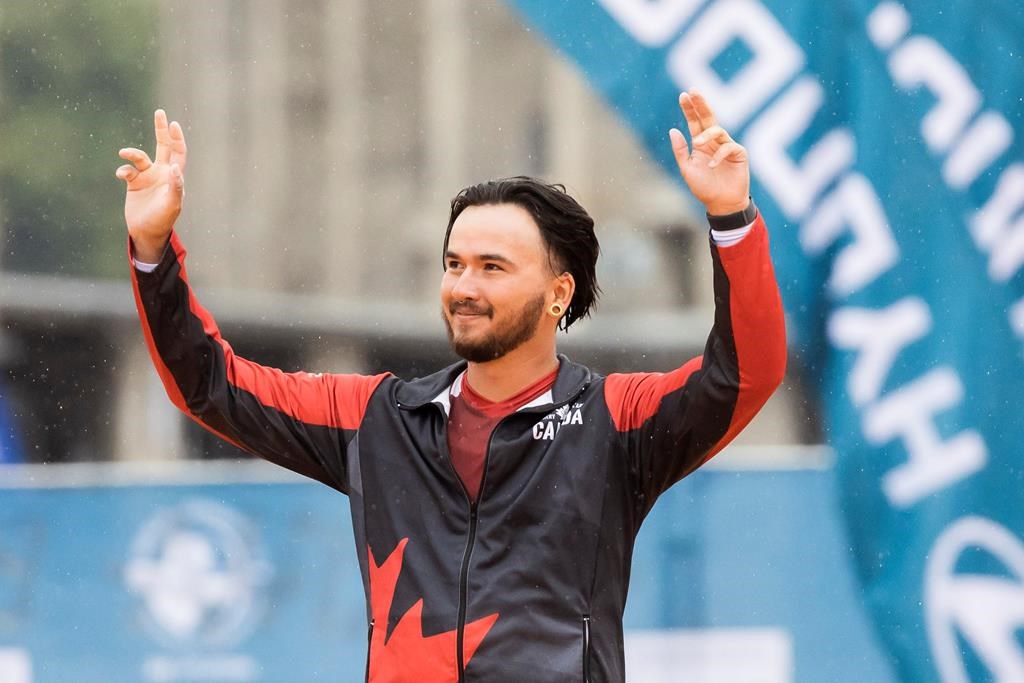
885 147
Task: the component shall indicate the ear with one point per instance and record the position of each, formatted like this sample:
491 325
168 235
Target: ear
564 288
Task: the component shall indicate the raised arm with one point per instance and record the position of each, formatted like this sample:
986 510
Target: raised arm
673 422
155 189
299 420
716 170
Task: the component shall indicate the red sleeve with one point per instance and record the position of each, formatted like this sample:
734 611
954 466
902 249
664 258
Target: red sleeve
299 420
674 422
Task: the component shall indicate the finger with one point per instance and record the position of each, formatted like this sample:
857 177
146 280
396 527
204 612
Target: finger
179 180
163 136
177 137
690 113
679 148
732 151
179 151
128 173
137 157
714 133
704 113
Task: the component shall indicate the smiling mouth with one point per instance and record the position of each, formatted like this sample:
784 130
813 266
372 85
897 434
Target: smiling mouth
468 312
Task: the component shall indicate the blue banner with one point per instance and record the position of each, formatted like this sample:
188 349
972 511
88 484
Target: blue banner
245 574
885 147
212 582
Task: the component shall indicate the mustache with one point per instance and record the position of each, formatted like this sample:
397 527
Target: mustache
468 308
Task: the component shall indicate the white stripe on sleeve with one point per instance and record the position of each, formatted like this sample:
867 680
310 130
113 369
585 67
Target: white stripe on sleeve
727 238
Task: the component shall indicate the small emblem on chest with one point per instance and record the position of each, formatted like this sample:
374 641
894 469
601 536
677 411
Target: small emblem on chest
550 424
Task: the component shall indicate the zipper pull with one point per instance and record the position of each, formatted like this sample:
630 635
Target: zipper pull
586 648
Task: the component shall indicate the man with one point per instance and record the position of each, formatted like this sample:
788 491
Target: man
495 503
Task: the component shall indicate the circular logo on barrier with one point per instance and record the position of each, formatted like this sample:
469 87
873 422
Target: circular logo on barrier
201 572
985 610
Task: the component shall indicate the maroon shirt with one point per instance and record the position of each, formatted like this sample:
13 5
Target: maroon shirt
471 421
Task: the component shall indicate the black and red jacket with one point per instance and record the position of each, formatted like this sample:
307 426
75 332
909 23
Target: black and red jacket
528 584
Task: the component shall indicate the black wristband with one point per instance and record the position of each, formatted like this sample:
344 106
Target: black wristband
732 221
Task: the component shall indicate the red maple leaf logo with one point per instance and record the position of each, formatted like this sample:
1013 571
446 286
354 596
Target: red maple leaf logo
407 654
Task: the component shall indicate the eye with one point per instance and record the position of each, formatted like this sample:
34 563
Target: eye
492 266
452 265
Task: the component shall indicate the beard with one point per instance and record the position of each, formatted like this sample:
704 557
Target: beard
498 342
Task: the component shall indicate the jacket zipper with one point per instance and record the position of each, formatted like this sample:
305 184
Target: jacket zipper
464 593
460 627
464 573
460 631
586 648
369 643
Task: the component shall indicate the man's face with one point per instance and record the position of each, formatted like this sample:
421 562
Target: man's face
496 283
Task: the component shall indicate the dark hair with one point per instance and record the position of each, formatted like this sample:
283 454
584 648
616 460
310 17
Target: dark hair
565 227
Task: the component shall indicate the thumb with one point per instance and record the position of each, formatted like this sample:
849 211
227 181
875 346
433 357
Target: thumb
679 147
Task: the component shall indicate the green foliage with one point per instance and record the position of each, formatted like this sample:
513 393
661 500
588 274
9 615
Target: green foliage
77 83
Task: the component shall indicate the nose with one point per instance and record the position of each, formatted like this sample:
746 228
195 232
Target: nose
465 288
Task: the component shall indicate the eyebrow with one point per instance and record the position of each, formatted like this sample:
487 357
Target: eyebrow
482 257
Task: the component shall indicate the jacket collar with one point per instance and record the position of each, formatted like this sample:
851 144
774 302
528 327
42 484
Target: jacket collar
571 380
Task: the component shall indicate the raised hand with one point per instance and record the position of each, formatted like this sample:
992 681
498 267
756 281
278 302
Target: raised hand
716 170
154 188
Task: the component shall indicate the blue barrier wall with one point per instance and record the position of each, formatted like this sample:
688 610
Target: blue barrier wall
243 574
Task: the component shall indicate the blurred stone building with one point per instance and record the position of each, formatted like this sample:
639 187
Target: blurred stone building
326 139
